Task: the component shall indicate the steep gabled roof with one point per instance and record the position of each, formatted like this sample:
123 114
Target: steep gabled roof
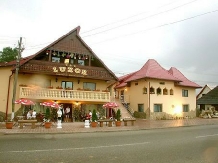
185 82
122 80
152 69
77 29
211 98
202 90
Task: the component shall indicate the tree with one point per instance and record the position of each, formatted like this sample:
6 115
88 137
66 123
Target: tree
8 54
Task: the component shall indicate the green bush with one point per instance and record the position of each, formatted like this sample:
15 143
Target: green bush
139 115
94 116
118 115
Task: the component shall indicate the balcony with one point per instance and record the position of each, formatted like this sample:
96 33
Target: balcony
62 94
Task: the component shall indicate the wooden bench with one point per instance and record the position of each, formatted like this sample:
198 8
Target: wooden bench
132 120
33 121
101 121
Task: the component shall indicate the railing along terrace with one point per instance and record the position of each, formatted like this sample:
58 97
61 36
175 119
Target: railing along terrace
63 94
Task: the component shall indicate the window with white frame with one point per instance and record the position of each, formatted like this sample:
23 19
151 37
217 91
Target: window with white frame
185 108
157 107
184 93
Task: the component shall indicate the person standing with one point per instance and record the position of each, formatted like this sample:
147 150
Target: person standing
34 114
67 112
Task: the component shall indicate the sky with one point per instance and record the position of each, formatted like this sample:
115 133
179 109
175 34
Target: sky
124 34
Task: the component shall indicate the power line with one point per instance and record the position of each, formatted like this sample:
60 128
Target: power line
126 18
140 19
159 26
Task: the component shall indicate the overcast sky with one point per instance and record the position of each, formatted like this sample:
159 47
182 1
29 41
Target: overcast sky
123 33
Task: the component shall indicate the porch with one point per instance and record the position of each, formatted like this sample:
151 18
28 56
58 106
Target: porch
63 94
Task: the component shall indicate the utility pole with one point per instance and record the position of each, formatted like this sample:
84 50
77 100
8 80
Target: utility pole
16 75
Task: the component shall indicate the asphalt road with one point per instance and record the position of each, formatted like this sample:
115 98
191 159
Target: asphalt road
196 144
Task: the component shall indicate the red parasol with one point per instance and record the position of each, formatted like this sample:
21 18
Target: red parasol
50 104
24 102
110 105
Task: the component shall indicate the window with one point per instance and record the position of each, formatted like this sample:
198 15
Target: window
159 91
152 90
157 107
67 84
171 91
89 86
185 108
144 90
140 107
184 93
165 91
56 59
81 62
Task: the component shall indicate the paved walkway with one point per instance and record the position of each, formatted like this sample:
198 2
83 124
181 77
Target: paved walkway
140 124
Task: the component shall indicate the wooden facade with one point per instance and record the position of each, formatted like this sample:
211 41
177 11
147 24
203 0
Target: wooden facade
66 71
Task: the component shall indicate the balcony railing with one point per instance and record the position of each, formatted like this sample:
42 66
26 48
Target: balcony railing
62 94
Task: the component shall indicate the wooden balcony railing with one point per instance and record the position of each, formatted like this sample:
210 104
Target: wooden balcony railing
62 94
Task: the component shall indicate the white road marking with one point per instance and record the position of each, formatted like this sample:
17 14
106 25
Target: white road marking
67 149
206 136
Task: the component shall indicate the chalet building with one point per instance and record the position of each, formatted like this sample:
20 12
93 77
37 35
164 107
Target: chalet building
202 93
66 71
160 93
209 99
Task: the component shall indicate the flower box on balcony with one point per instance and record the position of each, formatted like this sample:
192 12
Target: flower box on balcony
50 87
58 87
79 89
105 91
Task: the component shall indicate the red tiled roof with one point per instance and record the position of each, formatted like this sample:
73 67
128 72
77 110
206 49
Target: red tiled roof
185 81
152 69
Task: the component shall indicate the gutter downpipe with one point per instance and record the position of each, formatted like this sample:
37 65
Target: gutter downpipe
149 101
9 85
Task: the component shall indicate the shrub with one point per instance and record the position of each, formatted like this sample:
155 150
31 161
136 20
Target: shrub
94 116
139 115
118 115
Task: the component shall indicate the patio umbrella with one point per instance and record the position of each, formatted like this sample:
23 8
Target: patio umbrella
110 105
24 102
50 104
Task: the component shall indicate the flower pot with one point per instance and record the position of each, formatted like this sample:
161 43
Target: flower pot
47 124
118 123
94 124
9 125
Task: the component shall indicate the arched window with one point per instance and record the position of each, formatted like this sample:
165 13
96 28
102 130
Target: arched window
144 90
165 91
171 91
152 90
159 91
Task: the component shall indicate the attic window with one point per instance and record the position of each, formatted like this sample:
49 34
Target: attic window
152 90
162 83
136 83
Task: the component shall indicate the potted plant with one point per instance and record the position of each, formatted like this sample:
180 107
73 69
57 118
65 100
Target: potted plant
94 119
47 118
118 118
9 124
